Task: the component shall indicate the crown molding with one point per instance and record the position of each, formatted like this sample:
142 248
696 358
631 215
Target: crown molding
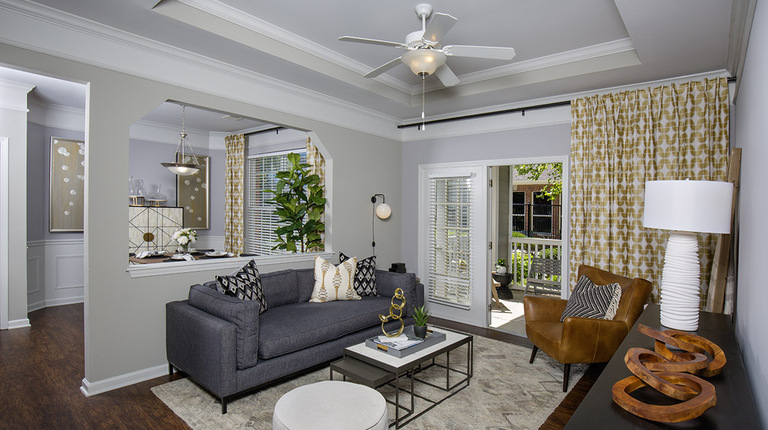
154 132
267 29
13 95
43 29
57 116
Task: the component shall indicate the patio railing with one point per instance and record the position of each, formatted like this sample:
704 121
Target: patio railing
522 249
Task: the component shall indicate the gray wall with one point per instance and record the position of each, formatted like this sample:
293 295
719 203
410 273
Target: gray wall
13 125
750 133
522 143
124 316
39 182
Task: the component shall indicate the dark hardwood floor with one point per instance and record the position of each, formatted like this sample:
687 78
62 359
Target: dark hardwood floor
41 369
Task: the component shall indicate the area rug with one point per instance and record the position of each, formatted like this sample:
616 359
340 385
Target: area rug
505 392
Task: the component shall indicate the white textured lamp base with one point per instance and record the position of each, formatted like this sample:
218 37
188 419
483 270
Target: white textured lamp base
680 282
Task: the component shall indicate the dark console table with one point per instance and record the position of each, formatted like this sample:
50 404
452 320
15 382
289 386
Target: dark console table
735 407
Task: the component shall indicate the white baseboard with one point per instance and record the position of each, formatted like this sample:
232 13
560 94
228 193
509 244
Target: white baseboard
64 301
24 322
93 388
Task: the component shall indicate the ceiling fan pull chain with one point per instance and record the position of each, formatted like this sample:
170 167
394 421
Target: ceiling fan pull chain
423 80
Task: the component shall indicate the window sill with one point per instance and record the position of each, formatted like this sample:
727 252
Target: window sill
225 264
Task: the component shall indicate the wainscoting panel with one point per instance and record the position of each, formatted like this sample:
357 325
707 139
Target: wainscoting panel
58 272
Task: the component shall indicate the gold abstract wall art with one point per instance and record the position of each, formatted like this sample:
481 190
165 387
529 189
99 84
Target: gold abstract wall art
67 185
192 196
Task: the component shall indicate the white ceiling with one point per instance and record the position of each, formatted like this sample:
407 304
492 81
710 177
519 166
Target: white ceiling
563 46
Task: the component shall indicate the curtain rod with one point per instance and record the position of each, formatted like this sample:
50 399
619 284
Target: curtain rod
266 130
499 112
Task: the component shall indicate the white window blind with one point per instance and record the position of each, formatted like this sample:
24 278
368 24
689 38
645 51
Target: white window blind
260 218
450 241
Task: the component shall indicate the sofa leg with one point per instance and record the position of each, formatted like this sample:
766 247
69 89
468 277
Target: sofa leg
566 374
170 369
533 353
223 406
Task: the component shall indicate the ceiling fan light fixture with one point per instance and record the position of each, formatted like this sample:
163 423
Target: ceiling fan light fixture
423 62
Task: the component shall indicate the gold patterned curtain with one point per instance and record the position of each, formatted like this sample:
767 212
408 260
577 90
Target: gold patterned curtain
621 140
234 193
317 162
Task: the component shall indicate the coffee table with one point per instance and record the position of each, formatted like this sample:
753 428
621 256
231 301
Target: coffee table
376 368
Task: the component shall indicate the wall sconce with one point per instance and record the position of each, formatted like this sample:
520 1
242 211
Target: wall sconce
383 211
685 208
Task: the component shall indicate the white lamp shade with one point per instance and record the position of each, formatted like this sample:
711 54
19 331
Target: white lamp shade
695 206
383 211
423 61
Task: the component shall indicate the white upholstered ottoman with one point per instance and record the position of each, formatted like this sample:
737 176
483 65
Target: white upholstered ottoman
331 405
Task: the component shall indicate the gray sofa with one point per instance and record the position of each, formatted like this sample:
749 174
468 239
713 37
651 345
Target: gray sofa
224 345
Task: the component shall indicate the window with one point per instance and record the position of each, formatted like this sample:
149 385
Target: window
260 218
518 211
542 214
450 241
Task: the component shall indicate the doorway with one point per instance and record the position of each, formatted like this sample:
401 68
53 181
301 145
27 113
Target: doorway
526 206
3 233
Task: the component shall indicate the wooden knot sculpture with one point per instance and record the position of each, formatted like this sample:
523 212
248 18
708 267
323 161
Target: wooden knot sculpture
394 307
671 373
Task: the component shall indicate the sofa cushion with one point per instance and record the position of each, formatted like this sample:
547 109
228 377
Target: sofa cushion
244 314
305 282
334 282
365 275
279 287
290 328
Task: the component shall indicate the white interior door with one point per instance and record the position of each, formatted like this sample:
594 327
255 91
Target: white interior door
3 233
453 257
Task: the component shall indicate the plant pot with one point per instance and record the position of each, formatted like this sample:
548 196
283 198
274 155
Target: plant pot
501 269
420 331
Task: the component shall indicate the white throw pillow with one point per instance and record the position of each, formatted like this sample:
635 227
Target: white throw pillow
334 282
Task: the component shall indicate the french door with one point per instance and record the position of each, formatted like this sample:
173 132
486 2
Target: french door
452 241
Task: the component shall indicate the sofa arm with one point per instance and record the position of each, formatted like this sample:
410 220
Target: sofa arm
244 314
537 308
201 345
388 282
591 340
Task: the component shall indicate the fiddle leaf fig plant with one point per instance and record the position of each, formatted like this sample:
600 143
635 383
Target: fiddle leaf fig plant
300 204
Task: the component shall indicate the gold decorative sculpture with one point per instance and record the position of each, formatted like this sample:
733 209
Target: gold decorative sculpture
394 307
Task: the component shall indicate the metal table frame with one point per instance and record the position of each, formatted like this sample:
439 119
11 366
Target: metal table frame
366 369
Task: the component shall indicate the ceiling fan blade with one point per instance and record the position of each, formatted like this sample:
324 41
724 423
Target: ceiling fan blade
372 41
492 52
446 76
383 68
438 27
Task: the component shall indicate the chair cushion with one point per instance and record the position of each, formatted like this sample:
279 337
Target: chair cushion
592 301
334 282
293 327
365 275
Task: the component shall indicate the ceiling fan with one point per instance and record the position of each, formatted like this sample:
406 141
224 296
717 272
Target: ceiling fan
425 55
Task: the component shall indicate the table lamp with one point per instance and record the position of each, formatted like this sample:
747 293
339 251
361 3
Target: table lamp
685 208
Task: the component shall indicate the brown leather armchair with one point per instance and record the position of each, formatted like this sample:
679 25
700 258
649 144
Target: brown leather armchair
583 340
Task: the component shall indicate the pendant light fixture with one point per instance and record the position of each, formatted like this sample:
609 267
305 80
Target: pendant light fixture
185 163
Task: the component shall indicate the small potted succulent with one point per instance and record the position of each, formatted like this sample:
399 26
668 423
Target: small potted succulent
501 266
420 317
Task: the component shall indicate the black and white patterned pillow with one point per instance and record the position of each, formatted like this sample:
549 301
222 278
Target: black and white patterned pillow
365 275
245 285
593 301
